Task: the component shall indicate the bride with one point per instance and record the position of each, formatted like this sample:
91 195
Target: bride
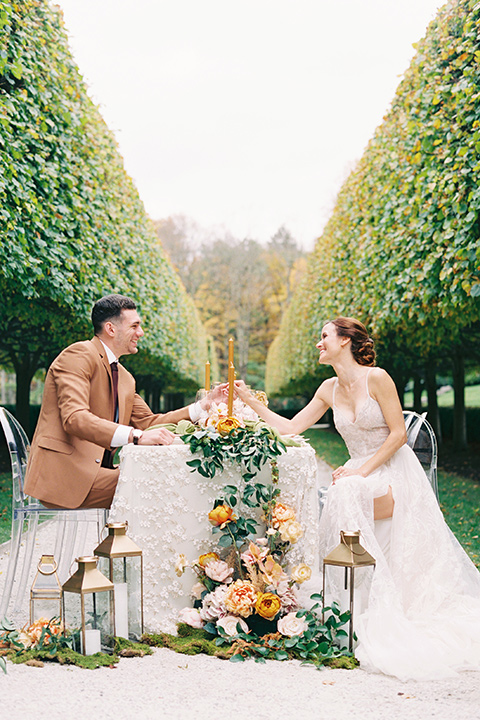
418 613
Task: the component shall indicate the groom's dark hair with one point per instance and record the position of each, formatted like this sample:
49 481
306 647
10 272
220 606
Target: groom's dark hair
109 307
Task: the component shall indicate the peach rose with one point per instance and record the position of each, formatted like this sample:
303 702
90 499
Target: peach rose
301 573
226 425
281 513
229 625
241 598
220 515
204 559
291 531
292 625
268 605
197 590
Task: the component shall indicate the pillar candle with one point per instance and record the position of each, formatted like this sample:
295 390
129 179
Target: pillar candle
207 376
231 378
121 610
92 642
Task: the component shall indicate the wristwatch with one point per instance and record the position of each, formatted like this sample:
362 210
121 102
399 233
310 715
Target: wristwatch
136 434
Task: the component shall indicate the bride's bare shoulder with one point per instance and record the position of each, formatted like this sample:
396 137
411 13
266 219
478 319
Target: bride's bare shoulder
379 378
325 391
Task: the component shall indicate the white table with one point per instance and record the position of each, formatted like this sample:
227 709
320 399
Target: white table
167 505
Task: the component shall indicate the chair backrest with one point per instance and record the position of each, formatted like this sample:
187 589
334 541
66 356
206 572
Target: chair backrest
421 438
18 446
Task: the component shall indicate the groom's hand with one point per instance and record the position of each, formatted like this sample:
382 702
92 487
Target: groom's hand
158 436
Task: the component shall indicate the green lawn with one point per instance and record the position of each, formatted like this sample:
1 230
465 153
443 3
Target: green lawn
459 497
5 506
445 399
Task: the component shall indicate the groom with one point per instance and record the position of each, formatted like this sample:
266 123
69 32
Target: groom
89 408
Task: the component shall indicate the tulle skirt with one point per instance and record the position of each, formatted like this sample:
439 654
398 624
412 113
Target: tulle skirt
417 614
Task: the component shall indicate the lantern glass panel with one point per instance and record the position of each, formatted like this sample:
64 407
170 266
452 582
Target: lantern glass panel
126 575
96 616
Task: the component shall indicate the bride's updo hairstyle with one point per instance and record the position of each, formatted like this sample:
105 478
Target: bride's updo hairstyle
362 345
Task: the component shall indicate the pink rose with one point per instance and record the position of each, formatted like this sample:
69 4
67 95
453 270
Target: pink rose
291 625
219 571
229 625
190 616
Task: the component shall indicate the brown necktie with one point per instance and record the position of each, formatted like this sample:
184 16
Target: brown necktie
114 366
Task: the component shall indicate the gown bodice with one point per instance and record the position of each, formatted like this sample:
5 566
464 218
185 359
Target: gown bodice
364 435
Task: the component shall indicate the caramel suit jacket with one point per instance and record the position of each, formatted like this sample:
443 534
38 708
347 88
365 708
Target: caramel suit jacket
75 425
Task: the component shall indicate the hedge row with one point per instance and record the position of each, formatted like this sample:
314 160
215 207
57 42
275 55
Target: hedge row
73 227
401 250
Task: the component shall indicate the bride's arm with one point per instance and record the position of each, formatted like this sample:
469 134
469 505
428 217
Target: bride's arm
308 416
383 390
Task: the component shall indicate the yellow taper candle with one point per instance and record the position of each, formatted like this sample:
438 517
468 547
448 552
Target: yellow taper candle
230 352
207 376
231 378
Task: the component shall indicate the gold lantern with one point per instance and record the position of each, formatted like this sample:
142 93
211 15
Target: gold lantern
121 561
46 591
89 608
350 555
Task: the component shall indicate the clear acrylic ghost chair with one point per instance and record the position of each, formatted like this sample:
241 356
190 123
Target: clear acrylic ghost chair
26 511
421 438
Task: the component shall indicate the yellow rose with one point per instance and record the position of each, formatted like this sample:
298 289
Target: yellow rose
268 605
226 425
220 515
240 598
207 557
301 573
291 531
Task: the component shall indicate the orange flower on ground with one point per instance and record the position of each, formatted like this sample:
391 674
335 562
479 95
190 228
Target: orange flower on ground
282 513
207 557
226 425
268 605
241 598
220 515
35 630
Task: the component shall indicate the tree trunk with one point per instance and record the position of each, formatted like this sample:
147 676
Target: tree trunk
459 415
417 392
400 379
433 412
25 366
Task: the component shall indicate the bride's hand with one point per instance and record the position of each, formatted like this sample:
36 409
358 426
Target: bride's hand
241 390
343 471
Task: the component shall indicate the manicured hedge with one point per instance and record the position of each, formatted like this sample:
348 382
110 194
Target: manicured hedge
73 227
401 250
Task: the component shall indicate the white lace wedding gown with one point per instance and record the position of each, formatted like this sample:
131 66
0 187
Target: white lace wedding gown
417 615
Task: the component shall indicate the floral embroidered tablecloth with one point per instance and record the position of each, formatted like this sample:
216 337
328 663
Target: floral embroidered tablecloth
167 505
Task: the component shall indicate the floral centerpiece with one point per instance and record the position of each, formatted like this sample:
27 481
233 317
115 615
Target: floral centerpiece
245 596
249 589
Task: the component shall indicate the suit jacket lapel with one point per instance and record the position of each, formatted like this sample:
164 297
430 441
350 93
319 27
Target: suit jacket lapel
104 360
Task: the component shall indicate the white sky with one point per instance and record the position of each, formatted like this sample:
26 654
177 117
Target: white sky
247 115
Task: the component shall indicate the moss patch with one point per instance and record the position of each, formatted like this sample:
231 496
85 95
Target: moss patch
188 642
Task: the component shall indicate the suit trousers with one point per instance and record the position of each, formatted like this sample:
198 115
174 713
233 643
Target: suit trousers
101 493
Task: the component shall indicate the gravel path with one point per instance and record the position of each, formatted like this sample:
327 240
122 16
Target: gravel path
169 685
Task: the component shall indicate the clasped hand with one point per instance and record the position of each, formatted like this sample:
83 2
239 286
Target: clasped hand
343 471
